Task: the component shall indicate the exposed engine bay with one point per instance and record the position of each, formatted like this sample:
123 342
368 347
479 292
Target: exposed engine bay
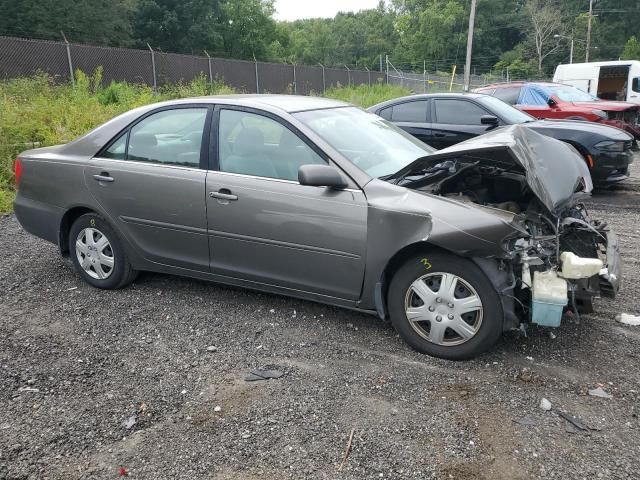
557 257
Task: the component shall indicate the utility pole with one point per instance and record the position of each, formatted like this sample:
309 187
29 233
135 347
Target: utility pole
467 66
586 56
571 52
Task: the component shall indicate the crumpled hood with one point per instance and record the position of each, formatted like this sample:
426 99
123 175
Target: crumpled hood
554 170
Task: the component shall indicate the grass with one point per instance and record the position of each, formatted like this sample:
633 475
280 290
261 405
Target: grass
365 95
36 112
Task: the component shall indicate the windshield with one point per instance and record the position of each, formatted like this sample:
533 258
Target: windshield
373 144
505 111
567 93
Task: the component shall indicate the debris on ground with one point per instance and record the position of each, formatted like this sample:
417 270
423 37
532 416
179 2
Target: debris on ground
627 319
123 472
129 422
599 392
217 408
526 421
573 421
259 374
545 404
347 450
212 348
29 389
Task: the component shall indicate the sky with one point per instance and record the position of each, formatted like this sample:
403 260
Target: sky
296 9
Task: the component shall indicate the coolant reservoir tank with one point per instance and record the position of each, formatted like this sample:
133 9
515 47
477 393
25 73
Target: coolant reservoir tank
575 267
549 297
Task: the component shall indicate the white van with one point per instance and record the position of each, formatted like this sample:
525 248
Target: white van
616 80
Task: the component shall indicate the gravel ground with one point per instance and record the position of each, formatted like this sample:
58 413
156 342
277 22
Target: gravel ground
94 381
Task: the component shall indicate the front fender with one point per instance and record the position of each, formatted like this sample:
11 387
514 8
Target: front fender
400 218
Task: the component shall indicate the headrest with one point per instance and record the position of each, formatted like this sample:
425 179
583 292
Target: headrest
249 141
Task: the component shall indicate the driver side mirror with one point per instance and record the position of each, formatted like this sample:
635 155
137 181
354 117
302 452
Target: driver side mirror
315 175
488 120
551 102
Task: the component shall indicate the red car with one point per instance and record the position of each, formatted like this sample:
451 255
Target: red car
558 101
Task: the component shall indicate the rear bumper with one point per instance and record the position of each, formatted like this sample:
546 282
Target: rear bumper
39 219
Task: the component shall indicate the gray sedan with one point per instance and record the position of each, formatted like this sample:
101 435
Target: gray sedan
317 199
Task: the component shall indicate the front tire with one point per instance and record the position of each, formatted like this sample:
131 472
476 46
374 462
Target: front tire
445 306
97 253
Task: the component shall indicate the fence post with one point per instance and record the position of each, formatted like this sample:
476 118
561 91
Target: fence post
386 57
153 68
295 83
424 74
209 63
369 75
324 84
257 80
73 78
348 75
453 76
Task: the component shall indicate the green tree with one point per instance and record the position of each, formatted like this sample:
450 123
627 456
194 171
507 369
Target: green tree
433 30
249 28
95 22
183 26
631 49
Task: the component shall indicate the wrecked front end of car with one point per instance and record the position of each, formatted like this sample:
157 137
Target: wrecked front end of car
549 255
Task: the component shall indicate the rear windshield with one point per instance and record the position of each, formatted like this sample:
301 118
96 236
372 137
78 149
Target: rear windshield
567 93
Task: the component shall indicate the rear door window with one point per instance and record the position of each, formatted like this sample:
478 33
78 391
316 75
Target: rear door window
386 113
171 137
413 112
508 95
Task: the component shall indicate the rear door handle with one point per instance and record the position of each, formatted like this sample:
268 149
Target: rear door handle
223 194
103 177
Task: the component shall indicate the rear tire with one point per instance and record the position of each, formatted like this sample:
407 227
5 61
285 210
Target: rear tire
445 306
97 253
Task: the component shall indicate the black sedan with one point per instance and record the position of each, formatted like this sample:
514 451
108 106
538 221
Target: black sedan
442 120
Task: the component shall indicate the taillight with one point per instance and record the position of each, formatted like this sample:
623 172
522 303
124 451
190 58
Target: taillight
17 168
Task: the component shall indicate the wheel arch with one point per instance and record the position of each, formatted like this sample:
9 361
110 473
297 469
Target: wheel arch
393 264
500 278
67 220
582 151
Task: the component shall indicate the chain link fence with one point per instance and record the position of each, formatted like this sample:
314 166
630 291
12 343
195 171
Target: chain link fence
21 57
428 82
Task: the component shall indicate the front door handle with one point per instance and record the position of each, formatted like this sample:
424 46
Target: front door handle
103 177
223 194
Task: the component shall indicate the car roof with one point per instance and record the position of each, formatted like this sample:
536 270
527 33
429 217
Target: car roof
425 96
285 103
518 84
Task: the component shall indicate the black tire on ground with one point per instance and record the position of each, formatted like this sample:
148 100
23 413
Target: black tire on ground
490 328
122 274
